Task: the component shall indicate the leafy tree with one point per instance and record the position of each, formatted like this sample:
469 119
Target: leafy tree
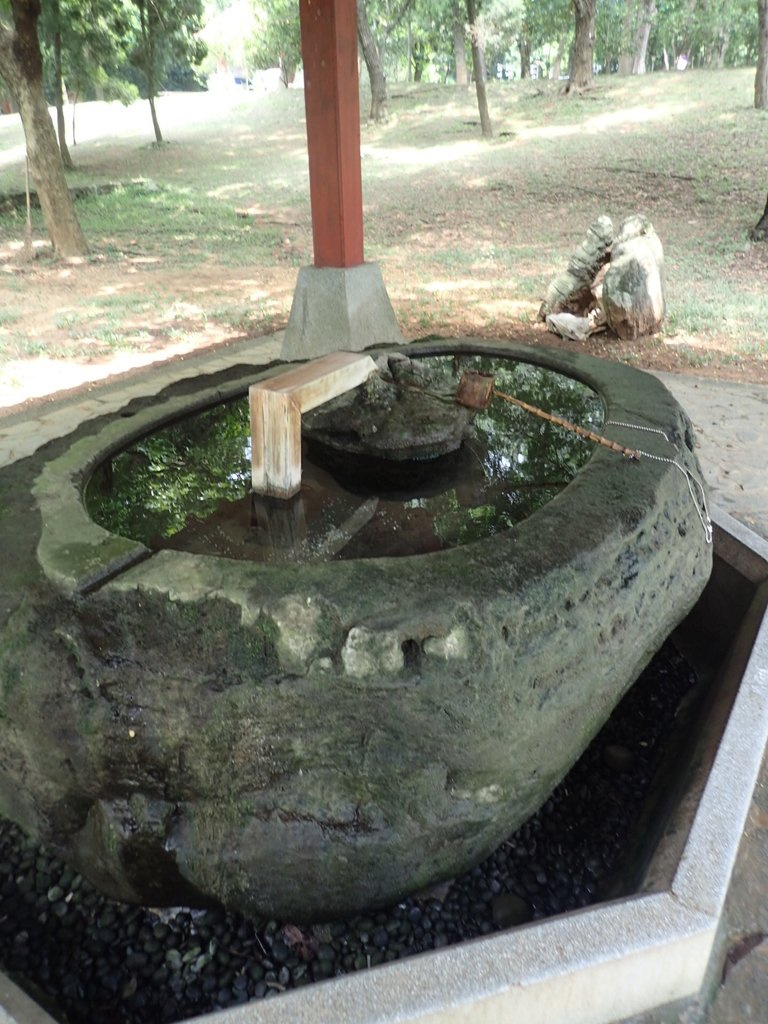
646 14
166 35
229 31
377 21
614 34
530 25
622 31
87 42
277 42
21 66
548 22
707 32
428 35
504 24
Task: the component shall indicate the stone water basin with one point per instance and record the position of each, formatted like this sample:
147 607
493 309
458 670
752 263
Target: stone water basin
308 740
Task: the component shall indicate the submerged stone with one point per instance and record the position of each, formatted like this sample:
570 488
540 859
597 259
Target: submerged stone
406 411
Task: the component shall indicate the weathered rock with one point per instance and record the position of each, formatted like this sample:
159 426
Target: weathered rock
405 411
567 325
633 287
310 740
571 291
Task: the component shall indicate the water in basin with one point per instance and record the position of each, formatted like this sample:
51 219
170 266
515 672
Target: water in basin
187 485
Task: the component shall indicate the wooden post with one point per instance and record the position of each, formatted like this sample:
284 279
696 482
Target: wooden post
331 99
281 525
276 408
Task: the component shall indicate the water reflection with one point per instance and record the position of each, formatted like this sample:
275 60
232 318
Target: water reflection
187 486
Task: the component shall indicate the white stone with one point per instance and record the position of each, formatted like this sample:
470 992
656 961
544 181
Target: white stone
454 646
297 619
368 652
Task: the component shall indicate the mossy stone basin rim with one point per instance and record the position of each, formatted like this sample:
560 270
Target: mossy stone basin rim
308 741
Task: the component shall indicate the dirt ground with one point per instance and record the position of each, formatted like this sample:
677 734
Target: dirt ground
467 234
61 286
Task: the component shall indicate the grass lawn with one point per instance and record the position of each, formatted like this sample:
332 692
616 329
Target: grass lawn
200 240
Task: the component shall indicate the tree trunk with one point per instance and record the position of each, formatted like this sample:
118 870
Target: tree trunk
759 232
153 112
373 63
627 58
641 51
524 46
459 52
583 44
478 67
647 11
21 66
61 131
148 41
557 63
761 75
409 59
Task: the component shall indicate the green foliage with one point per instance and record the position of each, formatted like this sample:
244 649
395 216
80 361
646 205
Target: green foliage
167 36
503 23
533 28
181 472
277 40
614 31
94 38
711 33
430 24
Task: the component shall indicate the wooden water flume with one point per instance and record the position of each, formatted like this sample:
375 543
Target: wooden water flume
276 407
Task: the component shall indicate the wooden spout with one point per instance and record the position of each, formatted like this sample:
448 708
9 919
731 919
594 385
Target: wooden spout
276 408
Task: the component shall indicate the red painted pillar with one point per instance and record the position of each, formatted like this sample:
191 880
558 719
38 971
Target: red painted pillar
331 98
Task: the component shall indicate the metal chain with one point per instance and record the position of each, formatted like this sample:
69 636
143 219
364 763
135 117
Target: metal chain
638 426
699 500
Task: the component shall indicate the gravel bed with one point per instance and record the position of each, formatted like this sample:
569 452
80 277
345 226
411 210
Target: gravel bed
90 960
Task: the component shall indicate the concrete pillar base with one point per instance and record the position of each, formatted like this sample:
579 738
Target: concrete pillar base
339 308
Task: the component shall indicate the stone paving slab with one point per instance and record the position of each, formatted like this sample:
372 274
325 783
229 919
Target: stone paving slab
731 422
23 431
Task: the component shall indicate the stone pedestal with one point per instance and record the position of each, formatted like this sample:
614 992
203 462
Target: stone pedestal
339 308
